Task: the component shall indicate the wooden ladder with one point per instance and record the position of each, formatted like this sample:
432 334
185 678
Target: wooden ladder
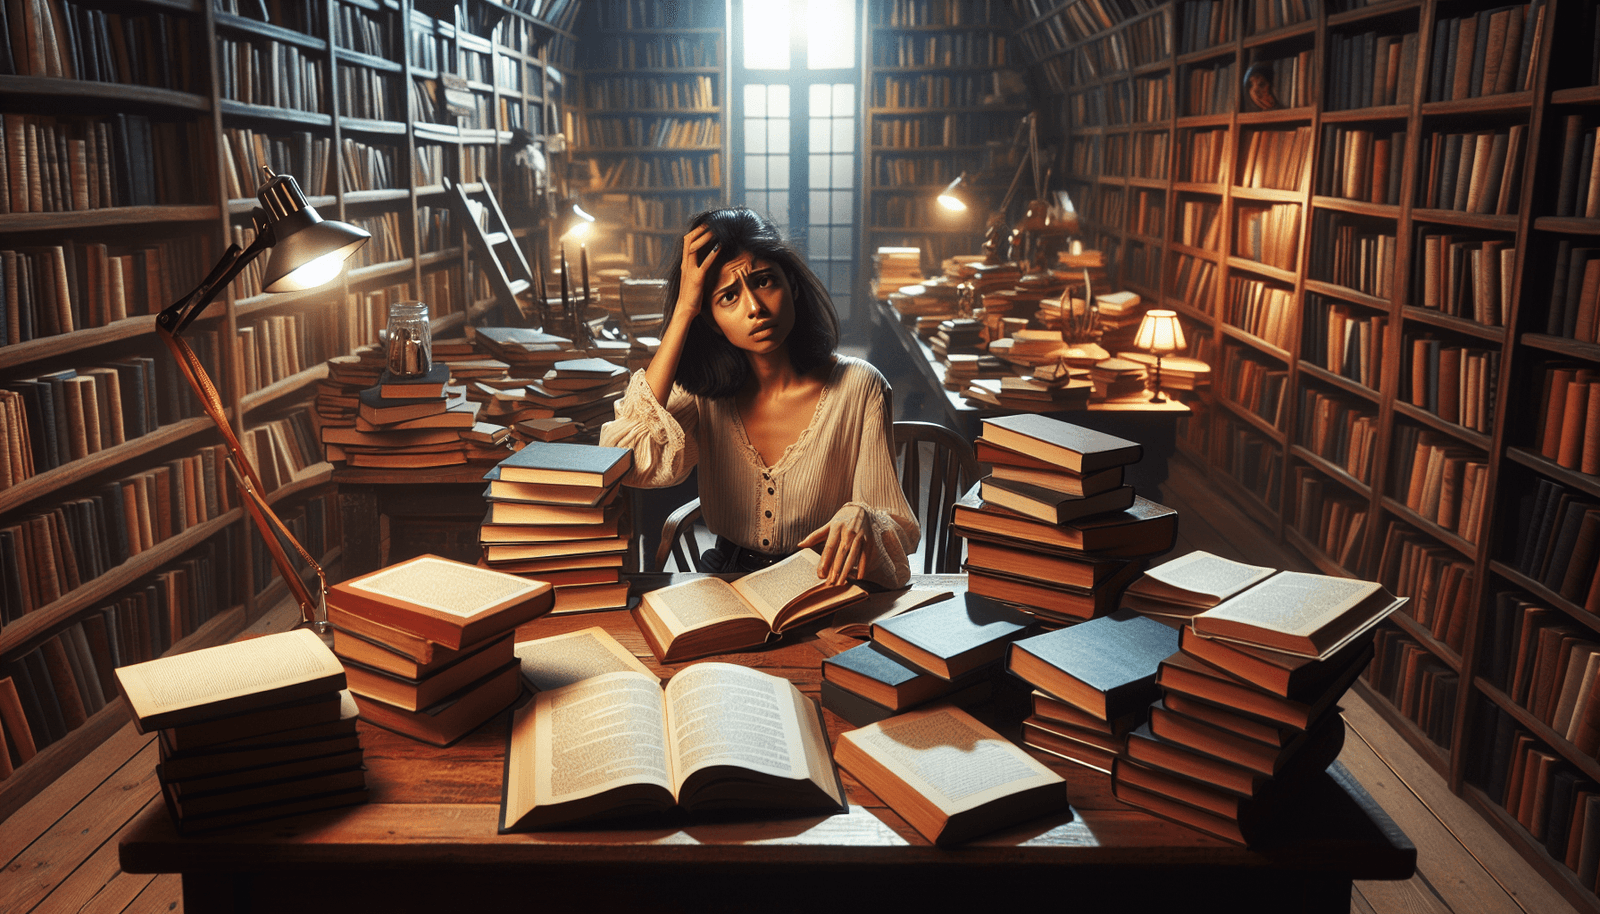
499 255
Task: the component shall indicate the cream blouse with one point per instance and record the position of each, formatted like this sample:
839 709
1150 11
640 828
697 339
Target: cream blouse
844 457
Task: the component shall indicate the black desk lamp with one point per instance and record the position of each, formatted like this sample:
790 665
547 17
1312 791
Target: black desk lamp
307 251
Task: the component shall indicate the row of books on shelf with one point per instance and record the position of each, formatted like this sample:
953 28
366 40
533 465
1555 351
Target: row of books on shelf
1344 339
56 289
1268 234
1437 580
53 688
1347 255
1290 79
1441 480
1209 89
1456 383
1329 517
1476 172
367 93
627 52
933 90
1338 431
943 49
271 73
1200 156
1276 159
71 164
387 244
1578 192
660 132
1200 224
1486 53
300 153
1466 277
358 30
1416 682
1569 424
1255 386
1575 293
1561 548
72 41
1263 310
1205 23
1194 282
664 93
1369 69
1538 788
1147 99
657 171
1361 164
902 13
1251 459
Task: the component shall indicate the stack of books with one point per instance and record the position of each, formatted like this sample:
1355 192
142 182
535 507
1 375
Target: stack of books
1120 314
957 335
1054 528
1249 709
555 514
962 368
339 394
1177 372
1093 685
1116 379
608 289
527 353
406 422
950 651
893 267
252 730
582 390
923 302
427 644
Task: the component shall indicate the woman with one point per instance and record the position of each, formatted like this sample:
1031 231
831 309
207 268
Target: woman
792 440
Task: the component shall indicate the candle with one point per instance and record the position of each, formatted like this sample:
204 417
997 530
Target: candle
564 296
583 260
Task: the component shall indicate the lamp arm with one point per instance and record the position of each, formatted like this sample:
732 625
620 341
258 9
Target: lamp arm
177 317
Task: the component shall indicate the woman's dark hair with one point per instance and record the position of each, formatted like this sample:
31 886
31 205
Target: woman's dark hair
713 367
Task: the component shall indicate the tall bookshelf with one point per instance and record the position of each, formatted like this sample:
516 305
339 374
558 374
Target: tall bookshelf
1332 298
944 94
156 172
649 121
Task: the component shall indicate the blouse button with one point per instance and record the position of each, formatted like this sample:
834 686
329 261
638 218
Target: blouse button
765 543
769 491
769 513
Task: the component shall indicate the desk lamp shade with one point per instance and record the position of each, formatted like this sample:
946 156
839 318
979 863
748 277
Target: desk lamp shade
307 251
1159 334
957 195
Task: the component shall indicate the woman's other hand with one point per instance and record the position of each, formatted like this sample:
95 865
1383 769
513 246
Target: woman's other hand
844 550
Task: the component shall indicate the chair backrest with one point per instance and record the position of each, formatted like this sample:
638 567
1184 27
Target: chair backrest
936 467
678 540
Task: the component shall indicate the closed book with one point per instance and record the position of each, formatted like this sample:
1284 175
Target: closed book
1223 744
318 709
1105 666
1049 707
1052 506
1058 481
382 410
372 652
1146 528
218 760
239 788
1061 743
1320 747
566 464
1188 802
544 494
1307 614
879 676
1189 677
1052 601
228 679
859 711
445 601
429 384
1019 561
414 694
1071 447
446 722
953 637
1285 675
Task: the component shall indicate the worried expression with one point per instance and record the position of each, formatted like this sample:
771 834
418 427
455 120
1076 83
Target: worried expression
751 305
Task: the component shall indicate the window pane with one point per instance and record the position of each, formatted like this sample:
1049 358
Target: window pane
779 203
777 101
831 43
844 134
820 97
755 100
819 171
755 171
844 99
755 135
843 171
842 205
819 207
841 244
778 134
777 172
766 35
819 135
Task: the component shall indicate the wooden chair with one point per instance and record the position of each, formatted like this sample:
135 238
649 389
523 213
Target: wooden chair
950 468
936 467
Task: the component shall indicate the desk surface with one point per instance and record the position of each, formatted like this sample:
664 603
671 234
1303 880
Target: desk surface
432 815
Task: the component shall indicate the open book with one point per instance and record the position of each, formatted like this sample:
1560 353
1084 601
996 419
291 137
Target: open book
719 737
1191 584
709 615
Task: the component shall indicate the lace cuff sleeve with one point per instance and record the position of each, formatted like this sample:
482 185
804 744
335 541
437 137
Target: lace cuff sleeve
661 437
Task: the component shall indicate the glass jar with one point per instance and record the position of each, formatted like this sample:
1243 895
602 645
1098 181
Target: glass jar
408 343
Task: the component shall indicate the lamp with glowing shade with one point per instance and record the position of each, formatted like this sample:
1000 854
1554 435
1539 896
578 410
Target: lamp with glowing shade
576 223
956 196
1159 334
307 251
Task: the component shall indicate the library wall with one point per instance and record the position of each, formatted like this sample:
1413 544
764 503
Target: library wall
133 139
1389 257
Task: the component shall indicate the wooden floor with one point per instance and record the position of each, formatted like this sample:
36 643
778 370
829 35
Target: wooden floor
60 851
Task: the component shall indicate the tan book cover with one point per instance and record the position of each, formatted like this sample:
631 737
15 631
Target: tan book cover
229 679
672 747
442 600
948 775
709 615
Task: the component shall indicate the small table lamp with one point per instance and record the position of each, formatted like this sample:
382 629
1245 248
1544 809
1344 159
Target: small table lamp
1159 334
307 251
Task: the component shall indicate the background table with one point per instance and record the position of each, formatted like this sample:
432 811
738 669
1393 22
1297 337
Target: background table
426 841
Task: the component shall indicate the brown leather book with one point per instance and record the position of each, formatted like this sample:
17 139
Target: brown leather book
18 734
73 713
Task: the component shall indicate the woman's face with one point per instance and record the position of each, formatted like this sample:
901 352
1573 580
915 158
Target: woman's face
751 305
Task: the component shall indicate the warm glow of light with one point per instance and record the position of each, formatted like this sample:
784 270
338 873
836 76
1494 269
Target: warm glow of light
1159 332
952 203
315 273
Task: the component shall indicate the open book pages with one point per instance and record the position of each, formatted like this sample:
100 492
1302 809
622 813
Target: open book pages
1312 615
560 660
719 736
453 588
784 593
229 678
1198 580
948 775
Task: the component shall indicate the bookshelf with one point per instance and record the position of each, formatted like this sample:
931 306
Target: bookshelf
121 537
944 95
1390 270
648 122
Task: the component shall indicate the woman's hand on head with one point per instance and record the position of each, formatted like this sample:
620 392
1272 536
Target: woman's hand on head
844 542
699 246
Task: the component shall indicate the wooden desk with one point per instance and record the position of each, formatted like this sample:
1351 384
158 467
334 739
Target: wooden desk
1152 425
426 841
